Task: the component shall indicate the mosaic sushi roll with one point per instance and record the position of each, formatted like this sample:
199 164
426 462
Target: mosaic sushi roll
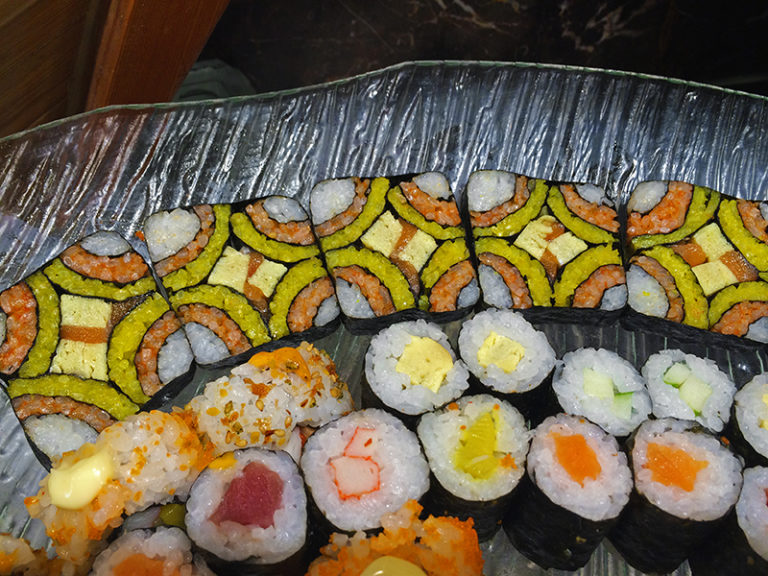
541 244
687 387
748 427
698 259
361 466
686 482
579 481
188 246
510 358
394 246
89 340
604 388
411 368
742 546
476 450
248 512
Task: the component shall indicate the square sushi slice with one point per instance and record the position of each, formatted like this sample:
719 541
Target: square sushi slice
87 340
698 258
542 244
241 276
394 246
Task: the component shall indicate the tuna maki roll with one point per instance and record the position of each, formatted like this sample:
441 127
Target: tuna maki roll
394 246
88 339
579 481
543 244
686 482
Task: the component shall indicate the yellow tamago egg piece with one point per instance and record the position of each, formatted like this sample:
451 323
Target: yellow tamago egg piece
426 362
501 351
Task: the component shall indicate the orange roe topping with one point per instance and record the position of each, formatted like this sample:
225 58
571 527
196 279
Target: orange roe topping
282 361
507 461
453 406
673 466
139 565
576 457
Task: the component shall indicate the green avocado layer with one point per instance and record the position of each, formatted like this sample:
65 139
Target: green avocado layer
293 282
580 227
75 283
755 251
580 268
243 228
374 206
531 269
513 223
732 295
48 320
410 214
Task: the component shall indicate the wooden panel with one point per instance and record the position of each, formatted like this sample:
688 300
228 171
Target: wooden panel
148 47
46 52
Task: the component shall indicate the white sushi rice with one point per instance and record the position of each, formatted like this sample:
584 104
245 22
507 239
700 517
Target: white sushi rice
536 363
751 412
594 194
646 196
170 545
105 243
233 541
435 184
758 330
284 209
615 298
645 294
168 232
352 301
717 485
330 198
440 434
207 347
495 290
174 357
666 399
487 189
598 499
395 388
568 384
752 511
469 295
55 434
403 470
328 311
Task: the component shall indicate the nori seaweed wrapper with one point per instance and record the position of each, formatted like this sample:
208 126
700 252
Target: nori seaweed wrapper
730 554
548 534
535 405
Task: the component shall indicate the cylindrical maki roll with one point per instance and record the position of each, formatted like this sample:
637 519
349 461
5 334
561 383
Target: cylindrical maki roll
748 429
161 551
742 543
509 356
411 368
362 466
688 387
603 387
249 507
686 481
476 450
577 484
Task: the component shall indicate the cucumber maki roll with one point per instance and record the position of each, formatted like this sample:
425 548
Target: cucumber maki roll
579 481
686 482
544 244
603 387
394 246
88 340
748 428
687 387
476 449
248 512
742 546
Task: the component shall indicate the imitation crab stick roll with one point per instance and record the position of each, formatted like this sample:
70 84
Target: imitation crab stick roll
248 511
742 543
508 356
686 481
603 387
476 451
577 484
411 368
361 466
690 388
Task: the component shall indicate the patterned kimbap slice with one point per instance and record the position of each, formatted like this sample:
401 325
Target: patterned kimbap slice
206 280
544 244
394 246
698 258
88 341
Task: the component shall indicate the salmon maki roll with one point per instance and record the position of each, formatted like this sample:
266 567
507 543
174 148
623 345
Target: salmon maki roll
394 246
541 244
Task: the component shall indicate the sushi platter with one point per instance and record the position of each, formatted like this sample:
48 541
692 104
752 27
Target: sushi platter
622 216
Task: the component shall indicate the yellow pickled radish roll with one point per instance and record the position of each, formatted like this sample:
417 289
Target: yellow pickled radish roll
412 368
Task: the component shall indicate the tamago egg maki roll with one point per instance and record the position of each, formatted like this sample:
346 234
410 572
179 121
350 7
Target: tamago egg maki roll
88 340
577 484
476 450
686 481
